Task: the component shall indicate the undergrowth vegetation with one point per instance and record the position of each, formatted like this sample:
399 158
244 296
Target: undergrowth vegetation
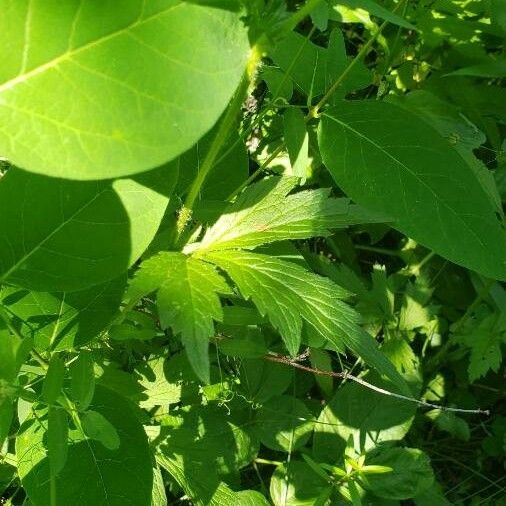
252 252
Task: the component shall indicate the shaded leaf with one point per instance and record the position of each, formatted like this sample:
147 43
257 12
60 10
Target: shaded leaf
61 235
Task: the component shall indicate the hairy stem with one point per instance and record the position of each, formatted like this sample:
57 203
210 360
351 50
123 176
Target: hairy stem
219 140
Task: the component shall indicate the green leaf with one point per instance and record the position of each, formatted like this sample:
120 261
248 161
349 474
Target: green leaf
498 13
53 382
202 485
62 321
82 386
57 440
411 475
61 235
97 427
123 476
484 342
450 422
376 10
296 484
66 111
288 294
187 299
367 416
6 414
491 69
265 213
297 141
261 380
157 389
314 68
284 423
392 162
206 435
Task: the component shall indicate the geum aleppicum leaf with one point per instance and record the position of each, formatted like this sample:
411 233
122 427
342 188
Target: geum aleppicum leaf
265 213
290 295
116 91
187 298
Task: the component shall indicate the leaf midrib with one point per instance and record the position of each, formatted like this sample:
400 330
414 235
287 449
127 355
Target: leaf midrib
68 55
409 171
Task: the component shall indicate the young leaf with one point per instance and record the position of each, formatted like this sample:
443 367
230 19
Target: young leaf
60 235
122 476
62 321
264 214
57 439
67 112
187 299
97 427
289 294
393 162
53 382
82 386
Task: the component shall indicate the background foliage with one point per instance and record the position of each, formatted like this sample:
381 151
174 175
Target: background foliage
252 252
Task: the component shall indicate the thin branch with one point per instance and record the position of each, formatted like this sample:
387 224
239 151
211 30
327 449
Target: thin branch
345 375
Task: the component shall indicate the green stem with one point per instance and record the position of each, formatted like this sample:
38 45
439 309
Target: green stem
315 110
219 140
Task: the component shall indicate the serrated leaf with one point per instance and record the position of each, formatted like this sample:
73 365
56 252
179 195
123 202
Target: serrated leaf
157 389
53 382
187 299
66 111
266 213
314 68
485 342
122 476
289 294
82 380
391 161
57 439
62 321
97 427
60 235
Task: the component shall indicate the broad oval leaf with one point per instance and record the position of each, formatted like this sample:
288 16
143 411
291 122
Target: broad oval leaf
60 235
113 91
390 160
92 474
62 321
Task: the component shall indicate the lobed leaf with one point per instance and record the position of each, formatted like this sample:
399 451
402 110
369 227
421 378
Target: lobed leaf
289 294
187 298
265 213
